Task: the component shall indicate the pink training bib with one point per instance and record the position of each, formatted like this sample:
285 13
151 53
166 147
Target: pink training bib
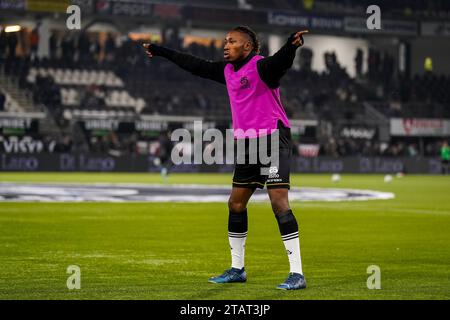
255 107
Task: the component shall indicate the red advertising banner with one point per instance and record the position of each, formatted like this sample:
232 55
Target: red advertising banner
420 127
308 150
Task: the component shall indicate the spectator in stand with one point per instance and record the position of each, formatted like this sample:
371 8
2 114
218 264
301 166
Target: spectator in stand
328 61
64 145
3 44
202 102
445 157
94 49
2 101
412 150
164 150
68 50
93 98
99 145
83 47
359 62
110 48
114 146
373 63
53 46
34 42
12 45
306 56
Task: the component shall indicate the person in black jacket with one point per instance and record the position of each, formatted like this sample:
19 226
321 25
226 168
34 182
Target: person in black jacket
255 101
2 101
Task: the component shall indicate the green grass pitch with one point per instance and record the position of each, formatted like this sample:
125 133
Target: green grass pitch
168 250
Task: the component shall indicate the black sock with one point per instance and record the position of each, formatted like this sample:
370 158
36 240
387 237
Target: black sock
287 223
237 222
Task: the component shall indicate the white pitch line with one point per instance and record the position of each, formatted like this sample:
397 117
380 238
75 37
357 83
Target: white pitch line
119 192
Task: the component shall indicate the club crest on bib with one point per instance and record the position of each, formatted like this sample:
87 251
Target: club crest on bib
245 84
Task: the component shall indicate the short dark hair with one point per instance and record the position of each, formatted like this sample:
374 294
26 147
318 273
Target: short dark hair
252 35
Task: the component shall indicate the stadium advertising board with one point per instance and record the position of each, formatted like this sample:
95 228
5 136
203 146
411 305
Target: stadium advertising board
102 7
167 11
140 163
131 9
48 5
394 27
87 6
143 125
26 144
137 125
12 4
366 165
303 127
101 124
420 127
18 125
435 29
224 16
308 150
358 132
75 162
295 20
125 8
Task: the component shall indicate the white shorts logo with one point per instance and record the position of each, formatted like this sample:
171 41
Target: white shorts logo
273 173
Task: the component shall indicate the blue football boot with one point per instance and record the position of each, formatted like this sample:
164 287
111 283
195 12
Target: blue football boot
294 281
230 275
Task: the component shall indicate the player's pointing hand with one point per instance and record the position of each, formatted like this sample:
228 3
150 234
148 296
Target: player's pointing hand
297 38
147 50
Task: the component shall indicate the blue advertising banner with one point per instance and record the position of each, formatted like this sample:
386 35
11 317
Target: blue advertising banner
296 20
145 163
12 4
394 27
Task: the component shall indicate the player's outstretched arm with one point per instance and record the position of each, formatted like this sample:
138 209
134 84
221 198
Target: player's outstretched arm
195 65
273 68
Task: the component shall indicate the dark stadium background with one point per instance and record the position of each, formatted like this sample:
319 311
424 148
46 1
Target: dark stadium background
85 125
360 100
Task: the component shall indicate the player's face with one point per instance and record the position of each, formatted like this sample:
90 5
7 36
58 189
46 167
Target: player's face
236 46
